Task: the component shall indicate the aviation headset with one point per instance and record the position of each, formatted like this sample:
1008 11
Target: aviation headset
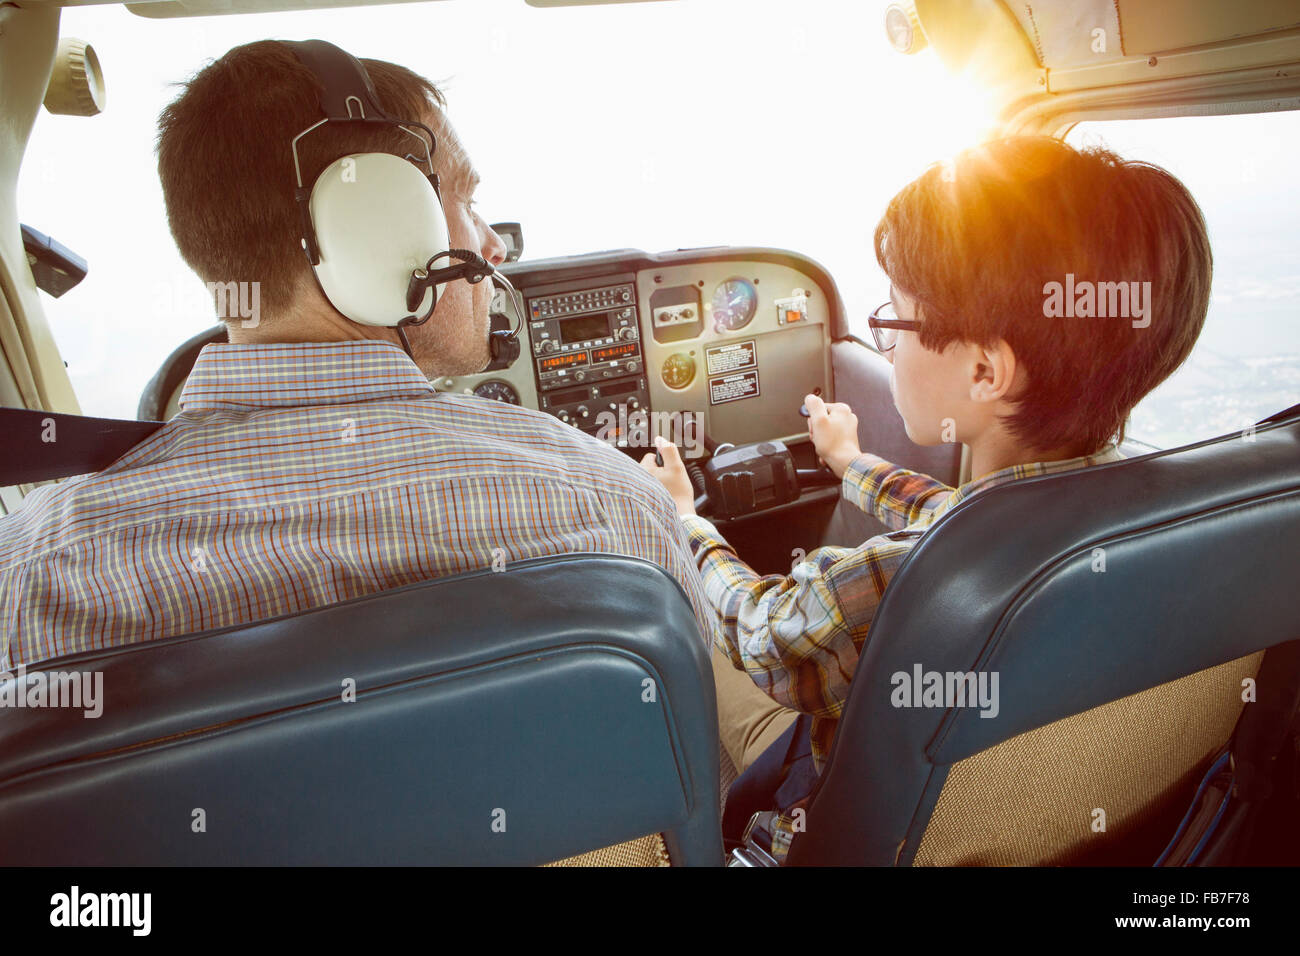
373 223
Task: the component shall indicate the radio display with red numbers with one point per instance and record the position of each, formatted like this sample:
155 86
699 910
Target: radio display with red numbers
562 361
612 352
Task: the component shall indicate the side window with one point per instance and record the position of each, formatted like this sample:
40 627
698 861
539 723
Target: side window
1246 364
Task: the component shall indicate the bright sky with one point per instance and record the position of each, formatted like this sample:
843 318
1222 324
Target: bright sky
655 126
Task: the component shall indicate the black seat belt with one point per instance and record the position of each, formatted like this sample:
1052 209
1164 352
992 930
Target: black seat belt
38 446
1219 827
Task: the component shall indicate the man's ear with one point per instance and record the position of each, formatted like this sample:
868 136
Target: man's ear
994 373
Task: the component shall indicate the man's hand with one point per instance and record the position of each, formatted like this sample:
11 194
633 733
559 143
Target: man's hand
834 431
672 475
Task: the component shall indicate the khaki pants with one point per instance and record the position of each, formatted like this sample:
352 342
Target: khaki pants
748 720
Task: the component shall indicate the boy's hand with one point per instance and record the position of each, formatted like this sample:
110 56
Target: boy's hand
834 431
672 475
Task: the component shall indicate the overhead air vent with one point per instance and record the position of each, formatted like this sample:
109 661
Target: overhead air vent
76 86
903 28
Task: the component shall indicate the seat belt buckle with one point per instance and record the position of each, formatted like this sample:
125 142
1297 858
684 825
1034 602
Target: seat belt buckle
755 848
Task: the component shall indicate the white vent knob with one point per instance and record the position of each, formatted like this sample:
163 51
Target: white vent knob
76 86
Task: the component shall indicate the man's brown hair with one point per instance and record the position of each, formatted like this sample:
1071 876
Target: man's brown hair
977 241
226 166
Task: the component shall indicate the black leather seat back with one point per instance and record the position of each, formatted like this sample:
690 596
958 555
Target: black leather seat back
561 705
1075 589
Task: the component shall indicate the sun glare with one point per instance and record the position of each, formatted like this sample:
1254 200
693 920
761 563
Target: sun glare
958 110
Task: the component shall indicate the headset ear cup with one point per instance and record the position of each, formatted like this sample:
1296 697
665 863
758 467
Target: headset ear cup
376 219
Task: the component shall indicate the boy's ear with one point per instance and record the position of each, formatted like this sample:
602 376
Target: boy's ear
994 374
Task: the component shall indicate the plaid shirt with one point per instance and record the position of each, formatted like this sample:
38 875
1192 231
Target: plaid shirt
800 637
299 475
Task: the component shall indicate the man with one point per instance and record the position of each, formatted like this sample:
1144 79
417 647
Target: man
311 461
978 253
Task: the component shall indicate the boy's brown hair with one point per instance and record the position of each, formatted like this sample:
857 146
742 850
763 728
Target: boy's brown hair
977 242
226 166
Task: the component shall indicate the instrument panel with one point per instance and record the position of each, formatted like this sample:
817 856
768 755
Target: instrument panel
586 348
735 340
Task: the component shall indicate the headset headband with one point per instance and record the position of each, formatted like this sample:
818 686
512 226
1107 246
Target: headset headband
347 95
347 92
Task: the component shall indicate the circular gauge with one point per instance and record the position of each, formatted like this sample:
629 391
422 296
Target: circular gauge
734 304
497 391
678 370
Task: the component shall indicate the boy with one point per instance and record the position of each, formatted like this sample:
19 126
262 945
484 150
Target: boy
979 253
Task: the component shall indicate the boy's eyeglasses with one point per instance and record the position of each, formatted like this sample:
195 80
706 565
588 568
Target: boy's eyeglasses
885 326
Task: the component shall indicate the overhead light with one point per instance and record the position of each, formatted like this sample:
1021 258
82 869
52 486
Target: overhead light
904 29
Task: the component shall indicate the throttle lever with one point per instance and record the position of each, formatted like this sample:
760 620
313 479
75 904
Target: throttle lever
803 409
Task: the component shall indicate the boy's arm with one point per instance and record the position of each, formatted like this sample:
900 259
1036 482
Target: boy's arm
892 494
797 636
684 568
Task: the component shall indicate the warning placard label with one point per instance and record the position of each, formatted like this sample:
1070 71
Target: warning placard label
732 388
730 358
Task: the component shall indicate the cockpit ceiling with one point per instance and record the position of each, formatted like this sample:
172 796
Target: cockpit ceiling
159 9
167 9
1063 32
1047 63
1041 64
